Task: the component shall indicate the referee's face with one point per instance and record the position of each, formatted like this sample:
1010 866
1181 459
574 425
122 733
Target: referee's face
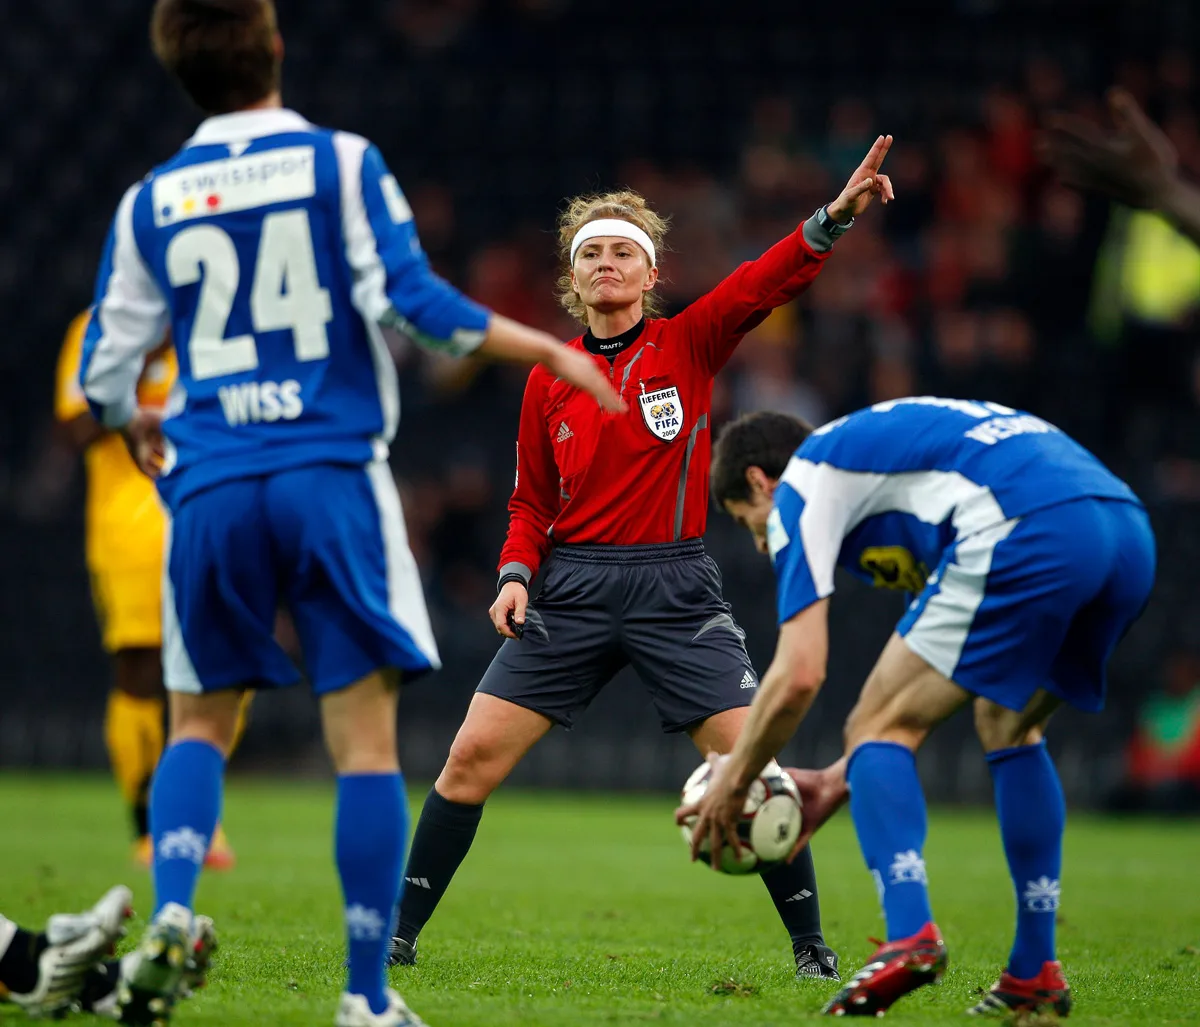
611 273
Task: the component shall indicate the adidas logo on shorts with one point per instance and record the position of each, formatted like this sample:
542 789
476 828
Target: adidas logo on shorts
748 680
564 433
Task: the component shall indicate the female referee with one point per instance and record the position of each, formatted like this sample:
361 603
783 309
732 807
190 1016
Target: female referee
616 506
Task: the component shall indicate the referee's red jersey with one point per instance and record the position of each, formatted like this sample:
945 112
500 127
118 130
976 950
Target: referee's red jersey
584 476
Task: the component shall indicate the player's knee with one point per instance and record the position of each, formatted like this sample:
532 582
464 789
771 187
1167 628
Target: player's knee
208 718
882 724
1001 728
473 770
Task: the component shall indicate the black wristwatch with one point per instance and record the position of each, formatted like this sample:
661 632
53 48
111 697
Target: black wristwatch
834 228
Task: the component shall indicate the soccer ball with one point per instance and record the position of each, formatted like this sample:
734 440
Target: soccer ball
767 829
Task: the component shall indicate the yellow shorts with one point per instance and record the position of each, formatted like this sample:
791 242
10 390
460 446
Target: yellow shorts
128 605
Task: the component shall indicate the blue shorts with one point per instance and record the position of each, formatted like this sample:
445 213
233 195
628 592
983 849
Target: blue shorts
1038 602
327 542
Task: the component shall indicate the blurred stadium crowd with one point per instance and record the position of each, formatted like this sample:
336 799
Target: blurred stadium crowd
984 279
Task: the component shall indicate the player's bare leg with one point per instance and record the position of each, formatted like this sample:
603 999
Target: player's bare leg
493 739
902 700
1030 807
793 886
370 835
185 806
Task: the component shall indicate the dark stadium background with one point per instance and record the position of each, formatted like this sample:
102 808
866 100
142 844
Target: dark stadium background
985 279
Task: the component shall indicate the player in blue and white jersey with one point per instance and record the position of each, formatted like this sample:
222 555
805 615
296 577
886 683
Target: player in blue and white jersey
275 251
1026 561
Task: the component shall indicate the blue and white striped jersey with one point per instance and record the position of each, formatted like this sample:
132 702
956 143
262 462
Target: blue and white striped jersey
883 492
274 251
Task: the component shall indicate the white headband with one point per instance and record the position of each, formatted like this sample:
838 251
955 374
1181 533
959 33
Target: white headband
615 227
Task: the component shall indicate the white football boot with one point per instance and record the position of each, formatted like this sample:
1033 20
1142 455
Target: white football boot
76 943
152 976
353 1011
195 970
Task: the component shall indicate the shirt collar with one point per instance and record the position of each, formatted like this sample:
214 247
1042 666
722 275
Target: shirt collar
617 344
243 125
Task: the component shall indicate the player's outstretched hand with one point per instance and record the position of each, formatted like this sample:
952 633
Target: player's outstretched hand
513 599
716 813
144 437
576 367
1135 164
823 792
865 184
506 339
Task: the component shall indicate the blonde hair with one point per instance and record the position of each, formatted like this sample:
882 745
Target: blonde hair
626 205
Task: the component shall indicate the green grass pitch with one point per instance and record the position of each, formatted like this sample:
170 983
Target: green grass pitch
583 910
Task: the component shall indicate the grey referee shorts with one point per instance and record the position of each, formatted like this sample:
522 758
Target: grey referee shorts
602 607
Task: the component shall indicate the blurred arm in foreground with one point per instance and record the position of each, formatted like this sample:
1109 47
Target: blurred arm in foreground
1135 164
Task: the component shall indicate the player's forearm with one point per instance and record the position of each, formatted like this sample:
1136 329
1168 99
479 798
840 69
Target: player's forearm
80 432
1180 204
516 343
782 703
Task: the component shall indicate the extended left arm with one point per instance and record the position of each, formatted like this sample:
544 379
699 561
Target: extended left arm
784 699
786 694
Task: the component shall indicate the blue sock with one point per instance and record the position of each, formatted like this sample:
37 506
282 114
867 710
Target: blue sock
888 809
371 832
1032 812
185 805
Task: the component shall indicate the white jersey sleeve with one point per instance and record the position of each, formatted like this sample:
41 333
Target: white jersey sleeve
816 506
129 317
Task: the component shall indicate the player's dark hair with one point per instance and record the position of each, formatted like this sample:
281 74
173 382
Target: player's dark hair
223 52
763 439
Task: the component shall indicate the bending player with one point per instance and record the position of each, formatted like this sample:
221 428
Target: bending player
1028 561
616 508
124 543
275 251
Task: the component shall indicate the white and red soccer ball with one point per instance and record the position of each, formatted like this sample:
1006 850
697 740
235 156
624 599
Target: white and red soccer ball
767 828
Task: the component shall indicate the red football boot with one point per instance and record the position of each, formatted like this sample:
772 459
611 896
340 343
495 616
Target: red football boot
1048 990
893 971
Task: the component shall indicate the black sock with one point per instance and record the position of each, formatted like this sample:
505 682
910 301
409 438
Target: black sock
793 889
441 842
19 964
100 983
141 810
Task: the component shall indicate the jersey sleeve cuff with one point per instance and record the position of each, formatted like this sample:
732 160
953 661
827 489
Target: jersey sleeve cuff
514 571
818 237
114 416
789 610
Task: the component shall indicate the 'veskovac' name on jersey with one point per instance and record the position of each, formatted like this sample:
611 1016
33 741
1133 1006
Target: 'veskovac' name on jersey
884 491
274 251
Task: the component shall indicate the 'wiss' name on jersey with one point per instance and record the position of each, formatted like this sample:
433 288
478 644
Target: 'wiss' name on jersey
261 402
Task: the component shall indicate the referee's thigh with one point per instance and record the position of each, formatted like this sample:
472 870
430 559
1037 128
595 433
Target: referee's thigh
682 640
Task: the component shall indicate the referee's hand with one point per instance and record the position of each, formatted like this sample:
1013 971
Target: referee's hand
513 598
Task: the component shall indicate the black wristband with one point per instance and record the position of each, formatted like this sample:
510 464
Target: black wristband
512 577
